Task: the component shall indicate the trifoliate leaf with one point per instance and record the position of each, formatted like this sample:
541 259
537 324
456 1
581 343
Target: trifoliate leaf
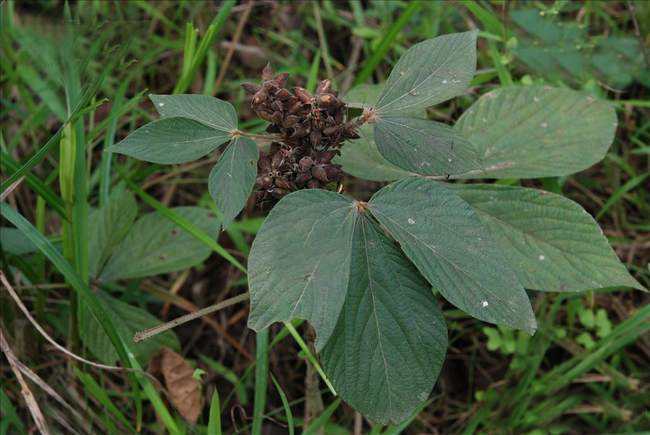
390 340
551 242
300 261
454 250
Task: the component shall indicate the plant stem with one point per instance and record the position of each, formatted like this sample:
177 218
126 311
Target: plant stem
148 333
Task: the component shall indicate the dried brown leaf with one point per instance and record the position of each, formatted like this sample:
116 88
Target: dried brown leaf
184 390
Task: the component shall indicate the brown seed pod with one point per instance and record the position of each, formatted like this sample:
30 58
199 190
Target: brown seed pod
310 131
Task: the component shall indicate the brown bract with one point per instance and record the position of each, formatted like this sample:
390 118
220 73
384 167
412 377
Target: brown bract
177 375
310 129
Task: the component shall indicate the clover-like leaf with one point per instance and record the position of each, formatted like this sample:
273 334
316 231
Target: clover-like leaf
232 178
551 242
207 110
537 131
360 157
429 73
171 140
390 340
454 250
155 245
300 261
425 147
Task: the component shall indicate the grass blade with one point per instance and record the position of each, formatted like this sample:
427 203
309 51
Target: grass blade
285 405
310 357
261 380
380 53
323 418
214 422
206 42
618 194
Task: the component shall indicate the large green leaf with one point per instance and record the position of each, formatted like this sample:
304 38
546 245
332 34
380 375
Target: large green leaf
551 242
300 260
390 340
171 140
425 147
537 131
367 95
429 73
110 224
14 242
205 109
454 250
232 178
361 158
155 245
128 320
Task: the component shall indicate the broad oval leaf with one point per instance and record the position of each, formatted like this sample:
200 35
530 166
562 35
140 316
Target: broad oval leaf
424 147
551 242
156 245
171 140
537 131
300 260
454 250
390 340
232 178
111 222
128 320
207 110
361 158
429 73
14 242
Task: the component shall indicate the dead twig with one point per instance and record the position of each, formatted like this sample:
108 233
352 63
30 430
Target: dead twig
45 335
148 333
235 40
34 409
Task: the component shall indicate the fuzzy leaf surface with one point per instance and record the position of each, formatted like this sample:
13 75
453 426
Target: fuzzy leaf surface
361 158
155 245
454 250
429 73
209 111
390 340
424 147
171 140
551 242
128 320
537 131
232 178
111 223
300 261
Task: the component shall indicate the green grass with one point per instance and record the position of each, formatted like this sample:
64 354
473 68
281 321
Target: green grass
68 97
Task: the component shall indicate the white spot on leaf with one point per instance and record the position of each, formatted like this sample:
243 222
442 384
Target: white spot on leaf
484 304
541 258
411 221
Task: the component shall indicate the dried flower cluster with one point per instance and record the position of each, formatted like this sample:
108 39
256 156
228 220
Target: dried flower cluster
310 130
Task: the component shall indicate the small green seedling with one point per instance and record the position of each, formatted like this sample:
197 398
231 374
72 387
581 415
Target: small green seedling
361 273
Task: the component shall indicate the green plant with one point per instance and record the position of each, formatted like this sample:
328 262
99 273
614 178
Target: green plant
361 272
